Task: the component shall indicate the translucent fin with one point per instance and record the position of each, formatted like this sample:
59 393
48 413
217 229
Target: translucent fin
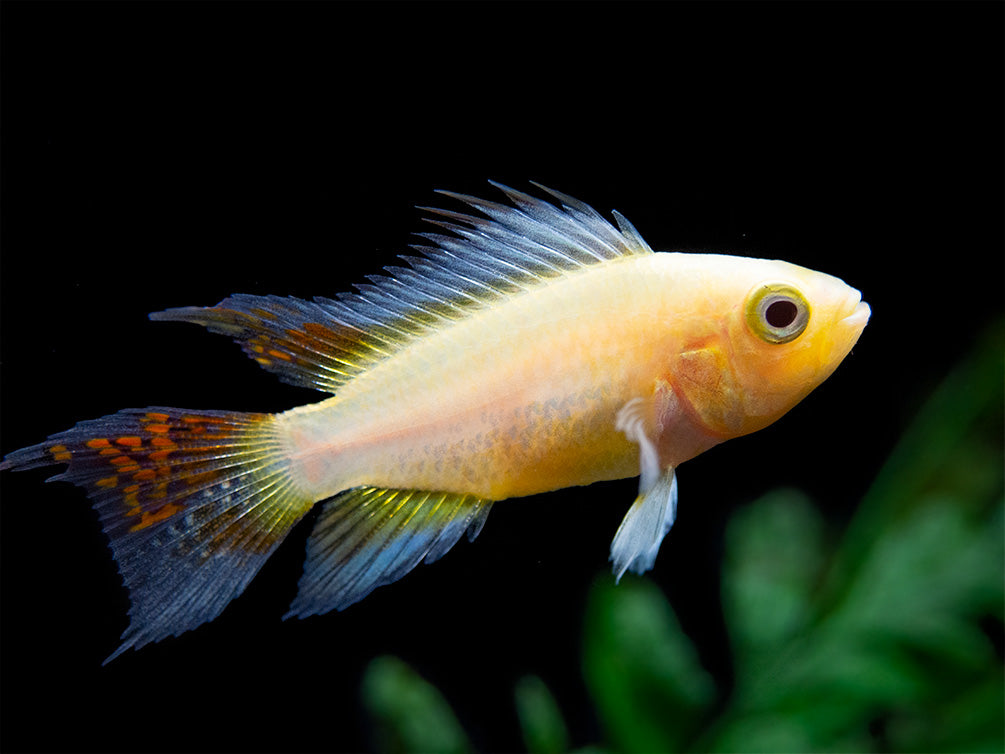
638 539
631 421
641 532
316 345
476 261
193 502
368 537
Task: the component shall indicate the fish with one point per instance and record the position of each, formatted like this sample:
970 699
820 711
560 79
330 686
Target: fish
530 345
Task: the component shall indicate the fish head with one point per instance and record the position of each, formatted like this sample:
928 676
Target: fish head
781 331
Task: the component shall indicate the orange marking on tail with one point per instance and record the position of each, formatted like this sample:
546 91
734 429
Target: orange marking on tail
150 518
319 330
132 442
163 442
196 424
108 481
159 455
280 355
206 448
131 498
155 417
201 477
109 452
162 513
121 460
160 429
97 442
144 475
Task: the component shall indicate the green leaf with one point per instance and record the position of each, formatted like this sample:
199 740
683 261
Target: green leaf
774 552
650 691
540 719
408 713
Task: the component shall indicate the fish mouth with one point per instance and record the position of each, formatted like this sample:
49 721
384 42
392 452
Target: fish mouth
859 316
848 328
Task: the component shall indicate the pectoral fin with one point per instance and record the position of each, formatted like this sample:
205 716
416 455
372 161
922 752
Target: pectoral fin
652 514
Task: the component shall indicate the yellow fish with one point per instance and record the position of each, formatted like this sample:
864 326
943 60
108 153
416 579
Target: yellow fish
531 347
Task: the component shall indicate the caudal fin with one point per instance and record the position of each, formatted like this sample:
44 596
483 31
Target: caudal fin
193 502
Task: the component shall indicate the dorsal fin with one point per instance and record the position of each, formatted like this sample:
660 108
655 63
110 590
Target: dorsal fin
480 260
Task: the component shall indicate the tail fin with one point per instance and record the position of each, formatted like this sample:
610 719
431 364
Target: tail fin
192 502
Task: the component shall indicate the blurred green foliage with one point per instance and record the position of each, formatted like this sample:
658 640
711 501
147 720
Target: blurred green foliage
409 714
890 641
540 719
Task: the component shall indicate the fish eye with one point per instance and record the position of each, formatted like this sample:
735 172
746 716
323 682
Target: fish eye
777 313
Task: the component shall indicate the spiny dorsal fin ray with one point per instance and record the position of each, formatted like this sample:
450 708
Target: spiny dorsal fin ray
477 261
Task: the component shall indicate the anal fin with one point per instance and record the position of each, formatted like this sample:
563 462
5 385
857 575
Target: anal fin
368 537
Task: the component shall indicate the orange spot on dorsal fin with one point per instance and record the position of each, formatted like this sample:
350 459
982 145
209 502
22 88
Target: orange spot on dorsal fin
305 343
60 453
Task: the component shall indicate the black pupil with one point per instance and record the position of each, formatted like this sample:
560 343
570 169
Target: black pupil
781 313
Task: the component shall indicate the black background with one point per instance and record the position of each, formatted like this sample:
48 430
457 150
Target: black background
159 155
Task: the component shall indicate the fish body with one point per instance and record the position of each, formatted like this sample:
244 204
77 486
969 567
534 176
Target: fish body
533 348
521 398
515 400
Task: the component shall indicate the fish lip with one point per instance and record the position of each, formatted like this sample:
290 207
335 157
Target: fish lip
859 316
847 329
